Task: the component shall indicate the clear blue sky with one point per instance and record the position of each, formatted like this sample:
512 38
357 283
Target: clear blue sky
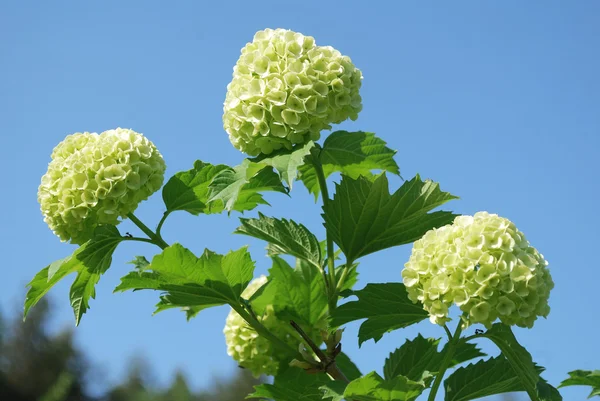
498 101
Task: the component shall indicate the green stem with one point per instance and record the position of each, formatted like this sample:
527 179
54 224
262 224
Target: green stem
263 331
157 240
161 222
448 332
331 280
138 239
446 362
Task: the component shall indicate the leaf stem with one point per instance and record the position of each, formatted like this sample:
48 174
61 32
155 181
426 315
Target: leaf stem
156 240
161 222
263 331
139 239
331 280
446 362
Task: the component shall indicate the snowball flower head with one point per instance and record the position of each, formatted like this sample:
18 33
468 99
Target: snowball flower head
95 179
483 264
253 351
285 90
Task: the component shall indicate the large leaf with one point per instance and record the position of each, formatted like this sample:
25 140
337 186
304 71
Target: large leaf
352 154
298 294
89 261
293 385
417 357
286 162
189 190
385 306
584 378
284 237
364 217
517 356
493 376
373 387
193 283
348 368
239 188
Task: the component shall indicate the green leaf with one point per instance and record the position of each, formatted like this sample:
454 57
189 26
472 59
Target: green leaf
413 359
293 385
189 190
334 390
517 356
420 356
373 387
89 261
284 237
485 378
83 288
239 188
193 283
352 154
584 378
385 306
351 277
297 294
286 162
347 367
140 263
364 218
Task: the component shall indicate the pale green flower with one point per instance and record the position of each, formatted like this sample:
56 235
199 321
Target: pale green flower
96 179
485 266
253 351
285 90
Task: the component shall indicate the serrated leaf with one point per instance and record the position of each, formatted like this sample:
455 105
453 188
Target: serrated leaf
239 188
353 154
193 283
293 385
373 387
415 358
90 261
189 190
516 355
140 263
584 378
284 237
363 217
297 294
489 377
385 306
286 162
351 277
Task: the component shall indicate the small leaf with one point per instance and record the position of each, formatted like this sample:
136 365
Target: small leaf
239 188
584 378
373 387
284 237
385 306
293 385
286 162
193 283
334 390
353 154
90 261
140 263
364 218
189 190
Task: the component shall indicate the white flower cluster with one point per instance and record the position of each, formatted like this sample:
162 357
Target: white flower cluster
95 179
286 90
483 264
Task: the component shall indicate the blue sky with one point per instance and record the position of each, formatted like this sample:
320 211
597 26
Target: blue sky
498 101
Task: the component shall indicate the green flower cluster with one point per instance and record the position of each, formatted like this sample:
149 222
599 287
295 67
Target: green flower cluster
285 90
255 352
483 264
95 179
